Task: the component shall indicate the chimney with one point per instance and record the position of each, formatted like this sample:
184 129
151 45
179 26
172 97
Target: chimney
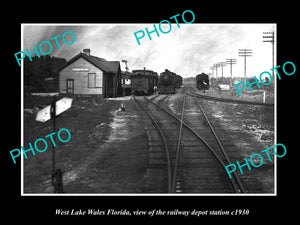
87 51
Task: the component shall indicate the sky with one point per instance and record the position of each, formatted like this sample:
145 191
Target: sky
189 50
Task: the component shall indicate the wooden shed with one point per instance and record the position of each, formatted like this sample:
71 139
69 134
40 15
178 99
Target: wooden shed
85 74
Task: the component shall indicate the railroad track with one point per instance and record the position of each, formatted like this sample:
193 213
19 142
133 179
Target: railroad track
185 154
229 100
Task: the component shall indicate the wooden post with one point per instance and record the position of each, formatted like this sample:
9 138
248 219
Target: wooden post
50 113
231 61
245 53
56 175
53 117
272 40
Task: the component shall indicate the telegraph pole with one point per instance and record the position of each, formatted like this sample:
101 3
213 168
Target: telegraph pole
270 38
231 61
212 70
245 53
216 68
221 64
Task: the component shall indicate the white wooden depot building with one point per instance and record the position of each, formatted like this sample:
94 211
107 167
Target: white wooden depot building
85 74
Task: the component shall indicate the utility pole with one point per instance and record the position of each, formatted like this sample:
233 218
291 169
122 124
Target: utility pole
221 64
270 38
216 68
231 61
245 53
212 70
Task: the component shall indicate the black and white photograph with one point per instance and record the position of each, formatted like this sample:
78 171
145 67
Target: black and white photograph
179 114
131 114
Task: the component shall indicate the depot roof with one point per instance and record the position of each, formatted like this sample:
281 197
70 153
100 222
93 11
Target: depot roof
106 66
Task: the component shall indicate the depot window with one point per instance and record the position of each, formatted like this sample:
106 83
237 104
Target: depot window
94 80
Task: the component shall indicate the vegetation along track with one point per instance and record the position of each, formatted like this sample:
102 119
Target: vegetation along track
212 98
185 153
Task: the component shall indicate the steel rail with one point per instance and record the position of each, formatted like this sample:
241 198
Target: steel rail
175 167
164 142
219 160
238 181
175 171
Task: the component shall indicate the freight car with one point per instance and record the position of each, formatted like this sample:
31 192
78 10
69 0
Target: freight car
168 82
202 82
143 81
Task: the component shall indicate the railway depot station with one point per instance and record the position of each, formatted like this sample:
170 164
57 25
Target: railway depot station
147 130
134 144
85 74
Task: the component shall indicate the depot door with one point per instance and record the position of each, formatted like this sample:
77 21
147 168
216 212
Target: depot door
70 86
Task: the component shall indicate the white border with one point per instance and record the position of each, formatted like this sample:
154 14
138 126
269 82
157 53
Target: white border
22 112
141 194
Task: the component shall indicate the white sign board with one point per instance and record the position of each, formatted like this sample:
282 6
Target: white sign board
224 87
61 105
44 114
80 69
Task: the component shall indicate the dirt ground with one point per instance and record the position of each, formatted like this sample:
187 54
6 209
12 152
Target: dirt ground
107 152
252 129
256 121
246 95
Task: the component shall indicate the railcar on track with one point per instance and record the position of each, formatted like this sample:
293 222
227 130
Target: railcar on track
168 82
202 81
178 81
143 81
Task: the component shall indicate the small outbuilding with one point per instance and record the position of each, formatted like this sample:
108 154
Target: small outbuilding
85 74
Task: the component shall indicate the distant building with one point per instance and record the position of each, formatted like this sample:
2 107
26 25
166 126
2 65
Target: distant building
85 74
